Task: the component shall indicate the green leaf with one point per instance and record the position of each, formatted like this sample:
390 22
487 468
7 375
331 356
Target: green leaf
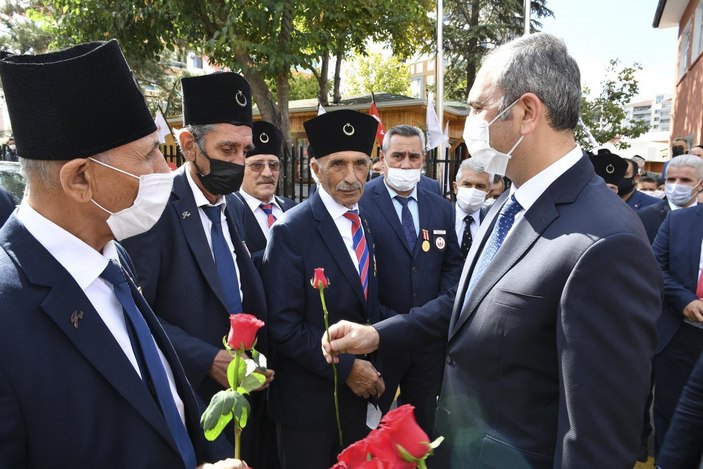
218 413
250 382
241 409
259 358
234 377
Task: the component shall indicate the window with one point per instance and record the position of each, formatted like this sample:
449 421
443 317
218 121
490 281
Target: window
683 50
430 65
697 45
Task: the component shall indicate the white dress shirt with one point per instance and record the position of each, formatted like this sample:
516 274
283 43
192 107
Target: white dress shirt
412 206
261 217
344 225
459 222
85 265
201 201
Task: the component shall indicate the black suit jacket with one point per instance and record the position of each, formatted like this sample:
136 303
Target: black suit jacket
7 205
254 238
69 397
652 217
548 364
179 280
306 238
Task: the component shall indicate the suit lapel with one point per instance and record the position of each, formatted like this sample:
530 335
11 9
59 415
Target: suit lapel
333 240
385 205
256 239
696 236
423 209
189 218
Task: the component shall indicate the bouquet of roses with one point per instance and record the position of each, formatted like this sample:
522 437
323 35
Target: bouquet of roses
243 377
397 443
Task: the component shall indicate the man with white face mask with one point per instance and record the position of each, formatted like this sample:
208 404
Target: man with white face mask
471 188
71 312
418 259
548 351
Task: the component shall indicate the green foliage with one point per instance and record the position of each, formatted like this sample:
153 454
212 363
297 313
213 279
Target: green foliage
302 86
604 115
224 406
472 28
375 73
23 30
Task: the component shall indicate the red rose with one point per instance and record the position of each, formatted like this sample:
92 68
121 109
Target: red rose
374 464
399 428
381 447
319 280
242 332
339 465
354 454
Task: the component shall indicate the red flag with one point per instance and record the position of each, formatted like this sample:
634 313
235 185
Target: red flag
380 132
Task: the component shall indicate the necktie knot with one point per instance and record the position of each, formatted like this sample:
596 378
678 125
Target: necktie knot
468 219
403 200
353 216
113 273
267 208
213 213
511 208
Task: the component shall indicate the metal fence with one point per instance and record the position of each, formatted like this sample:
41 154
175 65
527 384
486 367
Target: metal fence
295 180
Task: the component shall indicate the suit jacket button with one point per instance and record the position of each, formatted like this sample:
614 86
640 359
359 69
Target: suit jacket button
448 359
414 269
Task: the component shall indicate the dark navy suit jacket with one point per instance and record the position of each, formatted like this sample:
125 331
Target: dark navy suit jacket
306 238
640 200
652 217
429 184
254 238
69 397
525 383
406 278
179 280
683 443
677 247
7 205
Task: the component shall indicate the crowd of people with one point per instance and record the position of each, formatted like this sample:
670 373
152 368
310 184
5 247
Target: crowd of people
532 322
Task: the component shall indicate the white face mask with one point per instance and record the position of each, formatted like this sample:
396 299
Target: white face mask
470 199
659 194
679 194
403 179
476 136
487 203
142 215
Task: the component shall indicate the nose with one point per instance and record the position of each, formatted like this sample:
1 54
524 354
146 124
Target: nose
267 170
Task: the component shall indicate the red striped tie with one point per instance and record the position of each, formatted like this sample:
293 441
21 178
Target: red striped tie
268 210
699 288
361 250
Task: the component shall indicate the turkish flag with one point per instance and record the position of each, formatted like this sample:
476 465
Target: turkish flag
380 132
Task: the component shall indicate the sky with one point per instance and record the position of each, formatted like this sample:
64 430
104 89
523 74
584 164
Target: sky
596 31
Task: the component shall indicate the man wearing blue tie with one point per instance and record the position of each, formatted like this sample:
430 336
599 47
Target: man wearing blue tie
88 377
549 342
194 269
324 231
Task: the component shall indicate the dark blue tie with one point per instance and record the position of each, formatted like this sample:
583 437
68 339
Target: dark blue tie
114 274
500 231
224 261
408 223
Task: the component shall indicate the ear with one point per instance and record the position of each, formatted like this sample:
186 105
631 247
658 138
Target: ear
77 179
456 188
531 116
382 157
187 143
314 165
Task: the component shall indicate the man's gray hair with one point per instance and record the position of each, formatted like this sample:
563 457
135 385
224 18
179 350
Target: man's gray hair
474 166
539 64
197 131
43 173
690 161
403 131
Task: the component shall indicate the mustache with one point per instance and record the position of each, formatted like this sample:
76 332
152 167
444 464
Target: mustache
343 186
265 180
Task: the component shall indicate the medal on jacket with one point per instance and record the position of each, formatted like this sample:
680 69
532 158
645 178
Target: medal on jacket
425 240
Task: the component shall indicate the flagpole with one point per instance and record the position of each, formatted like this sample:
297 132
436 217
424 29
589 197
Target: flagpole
527 17
439 67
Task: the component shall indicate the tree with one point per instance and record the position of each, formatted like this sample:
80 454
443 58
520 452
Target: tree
604 115
472 28
24 32
375 73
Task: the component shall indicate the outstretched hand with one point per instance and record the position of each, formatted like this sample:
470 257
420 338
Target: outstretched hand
349 337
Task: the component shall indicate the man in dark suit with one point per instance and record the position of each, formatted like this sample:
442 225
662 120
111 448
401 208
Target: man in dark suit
471 188
256 202
114 393
684 182
525 380
627 188
418 260
680 327
194 269
430 185
7 205
324 231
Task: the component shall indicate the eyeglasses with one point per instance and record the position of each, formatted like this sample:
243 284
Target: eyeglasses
258 166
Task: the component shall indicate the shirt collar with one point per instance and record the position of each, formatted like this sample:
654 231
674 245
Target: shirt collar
392 193
81 261
200 199
532 189
334 208
254 203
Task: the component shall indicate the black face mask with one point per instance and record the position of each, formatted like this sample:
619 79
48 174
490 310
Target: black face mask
626 185
224 178
677 150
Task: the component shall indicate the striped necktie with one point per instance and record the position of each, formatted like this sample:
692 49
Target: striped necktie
268 210
360 248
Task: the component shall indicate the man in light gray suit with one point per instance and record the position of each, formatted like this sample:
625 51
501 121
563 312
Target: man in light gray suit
549 339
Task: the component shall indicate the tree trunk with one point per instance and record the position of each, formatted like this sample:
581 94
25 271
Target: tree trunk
471 63
337 96
282 79
322 96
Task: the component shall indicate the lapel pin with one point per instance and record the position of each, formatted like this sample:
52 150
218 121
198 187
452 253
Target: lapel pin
76 316
185 214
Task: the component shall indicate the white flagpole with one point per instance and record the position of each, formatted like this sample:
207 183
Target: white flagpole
439 67
527 17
